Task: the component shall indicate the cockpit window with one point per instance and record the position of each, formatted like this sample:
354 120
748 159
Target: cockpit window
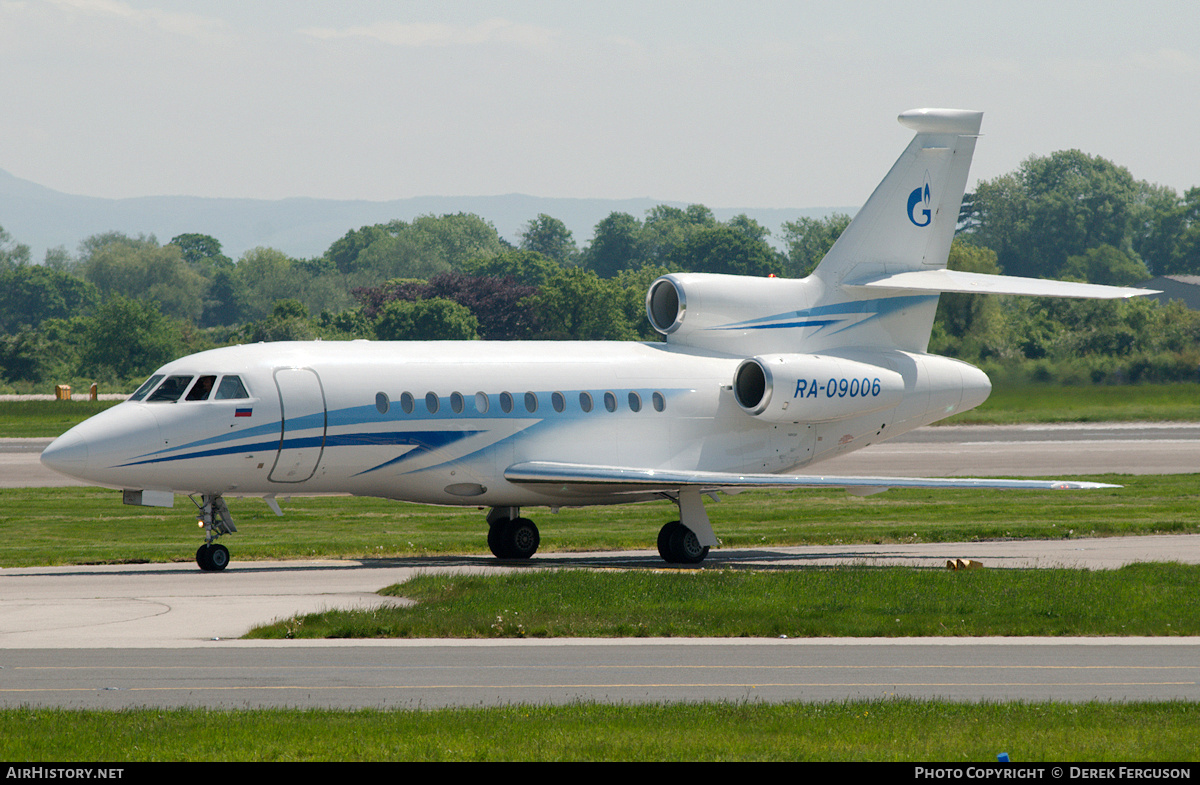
201 389
146 387
231 387
170 390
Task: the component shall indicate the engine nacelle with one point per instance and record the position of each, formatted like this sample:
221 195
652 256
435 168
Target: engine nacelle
721 311
814 388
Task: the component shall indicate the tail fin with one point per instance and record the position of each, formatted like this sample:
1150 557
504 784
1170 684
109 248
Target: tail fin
909 221
906 226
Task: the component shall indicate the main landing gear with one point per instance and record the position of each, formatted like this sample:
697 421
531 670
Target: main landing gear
685 541
215 518
510 536
677 544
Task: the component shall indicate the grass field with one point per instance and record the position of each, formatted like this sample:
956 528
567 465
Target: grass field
892 729
1140 599
91 525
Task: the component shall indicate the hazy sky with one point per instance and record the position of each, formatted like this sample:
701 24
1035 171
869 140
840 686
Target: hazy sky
731 104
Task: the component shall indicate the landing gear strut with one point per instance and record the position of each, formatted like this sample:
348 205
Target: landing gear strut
216 520
687 540
511 536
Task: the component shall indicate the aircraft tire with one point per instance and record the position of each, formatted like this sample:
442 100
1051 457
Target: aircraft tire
212 558
522 538
664 540
515 539
682 546
496 540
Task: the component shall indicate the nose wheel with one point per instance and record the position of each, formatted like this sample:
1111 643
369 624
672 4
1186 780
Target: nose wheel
214 517
212 557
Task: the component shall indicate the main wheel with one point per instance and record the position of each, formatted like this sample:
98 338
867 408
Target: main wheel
664 540
514 539
677 544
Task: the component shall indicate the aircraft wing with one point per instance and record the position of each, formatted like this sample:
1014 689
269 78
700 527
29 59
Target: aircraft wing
584 478
984 283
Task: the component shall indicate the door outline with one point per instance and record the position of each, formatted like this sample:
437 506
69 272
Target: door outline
298 462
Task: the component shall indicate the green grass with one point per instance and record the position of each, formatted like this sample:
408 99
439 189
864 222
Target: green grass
1140 599
91 525
45 418
1092 403
894 729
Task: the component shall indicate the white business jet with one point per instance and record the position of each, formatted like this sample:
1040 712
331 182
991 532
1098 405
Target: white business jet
757 378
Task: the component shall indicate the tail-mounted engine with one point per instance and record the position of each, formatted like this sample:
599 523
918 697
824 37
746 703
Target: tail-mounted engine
724 311
814 388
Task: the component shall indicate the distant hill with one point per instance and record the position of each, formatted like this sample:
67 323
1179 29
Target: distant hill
43 218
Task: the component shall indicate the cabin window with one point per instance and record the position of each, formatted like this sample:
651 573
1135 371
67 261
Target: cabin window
658 401
481 402
170 390
431 402
635 402
201 389
231 387
530 402
585 401
610 402
506 402
406 402
456 402
382 403
558 402
146 387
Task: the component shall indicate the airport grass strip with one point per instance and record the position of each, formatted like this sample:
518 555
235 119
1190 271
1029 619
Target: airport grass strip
886 729
1140 599
49 526
1037 403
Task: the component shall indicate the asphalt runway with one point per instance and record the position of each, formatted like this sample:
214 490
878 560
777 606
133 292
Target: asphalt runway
165 635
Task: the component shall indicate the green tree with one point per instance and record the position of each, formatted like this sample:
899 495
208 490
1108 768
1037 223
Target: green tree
617 245
12 253
724 249
577 304
809 239
526 267
128 338
437 319
203 253
551 238
140 268
1055 207
31 294
1106 265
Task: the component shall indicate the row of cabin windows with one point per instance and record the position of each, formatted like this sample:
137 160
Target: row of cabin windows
507 402
174 387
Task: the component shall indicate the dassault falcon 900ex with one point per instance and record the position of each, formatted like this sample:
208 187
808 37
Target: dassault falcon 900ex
757 378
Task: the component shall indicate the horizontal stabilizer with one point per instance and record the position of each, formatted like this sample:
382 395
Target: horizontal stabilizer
582 477
983 283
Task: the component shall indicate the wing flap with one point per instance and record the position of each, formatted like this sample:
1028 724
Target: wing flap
581 477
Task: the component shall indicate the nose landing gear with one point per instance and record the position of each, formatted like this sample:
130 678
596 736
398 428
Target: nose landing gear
216 520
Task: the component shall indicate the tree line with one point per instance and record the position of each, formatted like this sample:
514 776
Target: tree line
121 305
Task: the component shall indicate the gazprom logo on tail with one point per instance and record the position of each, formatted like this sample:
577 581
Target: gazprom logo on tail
920 196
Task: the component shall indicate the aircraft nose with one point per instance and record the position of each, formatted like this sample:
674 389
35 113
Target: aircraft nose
67 454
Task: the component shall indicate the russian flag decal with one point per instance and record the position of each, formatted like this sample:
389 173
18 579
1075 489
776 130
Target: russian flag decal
242 412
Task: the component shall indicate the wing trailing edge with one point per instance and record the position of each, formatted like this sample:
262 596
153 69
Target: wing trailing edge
624 479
